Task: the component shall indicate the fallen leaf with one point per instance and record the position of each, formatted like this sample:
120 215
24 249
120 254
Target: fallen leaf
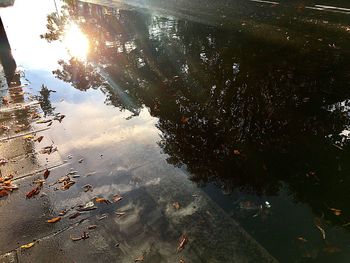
28 137
67 185
317 222
46 173
302 239
176 205
182 242
117 198
29 245
139 259
92 227
336 212
3 193
39 139
54 220
33 192
102 200
62 213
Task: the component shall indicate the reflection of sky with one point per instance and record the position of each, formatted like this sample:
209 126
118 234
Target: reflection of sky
24 28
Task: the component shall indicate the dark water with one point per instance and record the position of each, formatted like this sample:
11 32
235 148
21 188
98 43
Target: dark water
254 107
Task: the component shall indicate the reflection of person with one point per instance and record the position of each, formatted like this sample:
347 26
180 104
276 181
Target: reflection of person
7 61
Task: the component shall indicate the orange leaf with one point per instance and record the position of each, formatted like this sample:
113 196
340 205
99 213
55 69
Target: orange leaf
102 200
33 192
54 220
3 193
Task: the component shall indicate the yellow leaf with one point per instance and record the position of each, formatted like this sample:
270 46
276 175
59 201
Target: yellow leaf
29 245
54 220
28 137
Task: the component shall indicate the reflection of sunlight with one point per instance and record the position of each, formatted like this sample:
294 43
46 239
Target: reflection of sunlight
76 42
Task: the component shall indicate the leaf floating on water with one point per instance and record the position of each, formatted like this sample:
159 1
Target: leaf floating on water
139 259
33 192
336 212
102 200
182 261
54 220
117 198
92 227
182 242
39 139
176 205
29 245
46 173
3 193
81 160
318 224
62 213
28 137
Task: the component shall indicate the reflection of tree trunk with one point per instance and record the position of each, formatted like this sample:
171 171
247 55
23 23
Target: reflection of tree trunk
6 57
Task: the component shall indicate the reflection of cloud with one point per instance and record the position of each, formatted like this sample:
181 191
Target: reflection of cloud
91 125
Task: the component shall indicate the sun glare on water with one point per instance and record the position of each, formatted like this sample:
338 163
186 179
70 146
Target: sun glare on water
76 42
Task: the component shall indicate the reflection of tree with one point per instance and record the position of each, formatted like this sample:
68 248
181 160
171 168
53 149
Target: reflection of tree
44 100
236 111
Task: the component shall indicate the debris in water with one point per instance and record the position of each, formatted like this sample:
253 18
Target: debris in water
3 193
29 245
33 192
117 198
139 259
54 220
176 205
3 161
81 160
335 211
92 227
317 222
120 214
46 173
102 200
39 139
182 242
62 213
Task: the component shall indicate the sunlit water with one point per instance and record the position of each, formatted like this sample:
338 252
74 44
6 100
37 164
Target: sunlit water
255 111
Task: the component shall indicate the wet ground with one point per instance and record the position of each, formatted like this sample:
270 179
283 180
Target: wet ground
223 126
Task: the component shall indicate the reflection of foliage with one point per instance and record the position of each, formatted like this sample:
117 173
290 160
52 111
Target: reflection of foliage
82 76
236 111
44 100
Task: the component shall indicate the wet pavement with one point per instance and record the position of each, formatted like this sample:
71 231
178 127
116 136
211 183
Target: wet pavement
223 126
